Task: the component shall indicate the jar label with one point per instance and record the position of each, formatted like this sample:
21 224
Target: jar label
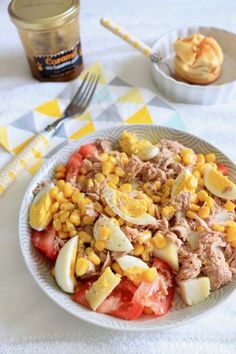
55 66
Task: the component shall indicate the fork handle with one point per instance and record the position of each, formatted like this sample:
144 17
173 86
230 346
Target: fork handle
126 36
19 163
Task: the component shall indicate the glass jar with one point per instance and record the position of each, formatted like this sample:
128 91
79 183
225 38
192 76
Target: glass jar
49 30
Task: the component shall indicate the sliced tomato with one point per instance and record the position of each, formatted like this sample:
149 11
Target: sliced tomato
223 169
88 149
154 296
119 303
45 242
80 296
73 166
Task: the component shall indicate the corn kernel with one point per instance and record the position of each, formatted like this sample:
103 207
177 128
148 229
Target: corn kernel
166 191
168 212
60 184
202 195
112 160
156 199
72 233
88 250
60 197
82 266
109 211
90 183
98 207
159 240
138 249
204 212
94 258
57 225
144 237
191 182
196 174
55 207
63 235
201 182
75 219
59 175
190 214
231 233
217 227
67 206
158 184
69 225
103 156
119 172
145 256
210 157
104 233
177 158
64 215
56 216
113 179
99 177
88 220
230 206
53 192
200 159
149 274
152 210
187 156
121 221
230 223
100 245
194 198
68 190
75 196
106 167
210 202
200 228
60 168
116 267
126 187
146 187
84 236
194 207
103 199
169 182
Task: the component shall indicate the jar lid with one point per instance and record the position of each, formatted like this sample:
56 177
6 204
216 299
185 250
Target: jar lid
42 14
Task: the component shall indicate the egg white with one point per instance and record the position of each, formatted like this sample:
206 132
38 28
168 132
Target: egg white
64 274
179 179
126 262
228 195
148 152
117 239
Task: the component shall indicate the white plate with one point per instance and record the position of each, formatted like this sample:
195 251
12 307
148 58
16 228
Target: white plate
223 90
40 267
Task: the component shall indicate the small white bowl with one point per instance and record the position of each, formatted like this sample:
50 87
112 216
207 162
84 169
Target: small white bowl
223 90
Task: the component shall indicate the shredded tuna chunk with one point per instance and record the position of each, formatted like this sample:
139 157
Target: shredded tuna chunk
116 254
131 232
107 262
150 172
133 167
213 259
230 255
182 201
181 228
174 238
171 145
105 145
39 186
190 265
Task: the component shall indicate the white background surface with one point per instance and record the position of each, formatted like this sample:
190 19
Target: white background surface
29 321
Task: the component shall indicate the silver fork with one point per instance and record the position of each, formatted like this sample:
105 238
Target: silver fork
36 147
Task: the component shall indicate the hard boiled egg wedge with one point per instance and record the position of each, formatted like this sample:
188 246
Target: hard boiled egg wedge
132 267
218 184
180 182
124 206
117 240
40 210
194 291
148 152
65 265
168 254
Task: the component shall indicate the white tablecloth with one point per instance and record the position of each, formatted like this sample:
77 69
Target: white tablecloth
46 328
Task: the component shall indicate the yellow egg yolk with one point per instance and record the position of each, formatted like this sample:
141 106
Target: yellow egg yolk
40 213
130 144
219 181
129 205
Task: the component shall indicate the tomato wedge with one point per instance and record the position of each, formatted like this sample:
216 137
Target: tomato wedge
88 149
80 297
45 242
155 296
73 166
223 169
